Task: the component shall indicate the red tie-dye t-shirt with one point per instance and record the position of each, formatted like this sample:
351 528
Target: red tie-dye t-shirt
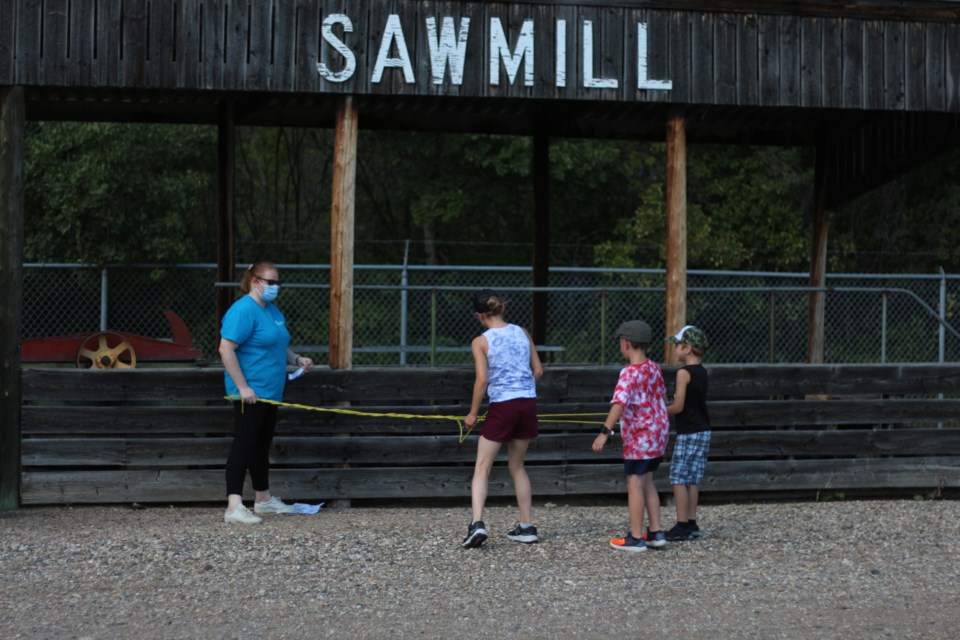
644 424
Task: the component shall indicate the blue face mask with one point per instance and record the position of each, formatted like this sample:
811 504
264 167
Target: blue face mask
270 292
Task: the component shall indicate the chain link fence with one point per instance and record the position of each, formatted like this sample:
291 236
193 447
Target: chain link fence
421 316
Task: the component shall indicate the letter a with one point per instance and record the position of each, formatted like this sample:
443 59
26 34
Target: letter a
393 31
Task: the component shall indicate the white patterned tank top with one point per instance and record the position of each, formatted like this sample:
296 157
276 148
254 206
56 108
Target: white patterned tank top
508 364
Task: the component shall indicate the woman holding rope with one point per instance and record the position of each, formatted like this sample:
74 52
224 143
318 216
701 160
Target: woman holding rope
507 368
254 348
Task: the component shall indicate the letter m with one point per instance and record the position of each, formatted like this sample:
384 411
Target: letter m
500 50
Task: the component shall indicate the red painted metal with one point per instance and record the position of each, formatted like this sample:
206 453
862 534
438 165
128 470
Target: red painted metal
64 348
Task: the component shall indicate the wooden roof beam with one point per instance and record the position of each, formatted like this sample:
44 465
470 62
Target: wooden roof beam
882 148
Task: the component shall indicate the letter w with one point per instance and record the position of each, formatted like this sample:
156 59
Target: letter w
448 47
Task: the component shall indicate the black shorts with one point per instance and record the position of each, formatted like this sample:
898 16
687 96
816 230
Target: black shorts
640 467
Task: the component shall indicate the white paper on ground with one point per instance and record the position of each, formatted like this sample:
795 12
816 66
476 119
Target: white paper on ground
300 508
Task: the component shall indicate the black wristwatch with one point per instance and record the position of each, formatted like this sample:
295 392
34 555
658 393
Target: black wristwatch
605 431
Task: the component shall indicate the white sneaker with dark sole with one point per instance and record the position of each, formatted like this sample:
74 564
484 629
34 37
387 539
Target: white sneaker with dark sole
273 505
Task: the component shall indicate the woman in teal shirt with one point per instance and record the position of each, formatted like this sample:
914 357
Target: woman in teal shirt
254 348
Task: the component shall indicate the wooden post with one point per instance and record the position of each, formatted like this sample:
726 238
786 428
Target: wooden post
12 131
676 303
541 234
818 257
226 164
341 235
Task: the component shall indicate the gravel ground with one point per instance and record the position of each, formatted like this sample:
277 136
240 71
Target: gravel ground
851 569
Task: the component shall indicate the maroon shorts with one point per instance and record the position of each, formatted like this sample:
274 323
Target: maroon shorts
511 420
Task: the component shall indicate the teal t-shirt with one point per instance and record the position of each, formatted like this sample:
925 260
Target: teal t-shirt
262 339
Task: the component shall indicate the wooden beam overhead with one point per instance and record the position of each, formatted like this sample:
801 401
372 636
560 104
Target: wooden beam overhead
861 158
873 54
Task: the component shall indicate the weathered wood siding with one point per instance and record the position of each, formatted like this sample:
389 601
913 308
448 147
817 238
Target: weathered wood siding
162 435
719 56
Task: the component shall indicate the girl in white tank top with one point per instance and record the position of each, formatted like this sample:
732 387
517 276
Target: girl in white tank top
507 368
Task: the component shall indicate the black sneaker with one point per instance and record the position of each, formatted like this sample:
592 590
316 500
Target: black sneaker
679 532
694 531
476 535
526 535
655 539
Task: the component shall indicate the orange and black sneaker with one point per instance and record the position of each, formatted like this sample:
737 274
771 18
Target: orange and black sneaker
628 543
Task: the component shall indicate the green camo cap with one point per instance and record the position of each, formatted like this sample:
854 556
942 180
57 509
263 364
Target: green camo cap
692 336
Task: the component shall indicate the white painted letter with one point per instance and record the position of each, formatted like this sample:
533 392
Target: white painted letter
500 50
642 82
447 47
561 53
588 80
393 31
330 38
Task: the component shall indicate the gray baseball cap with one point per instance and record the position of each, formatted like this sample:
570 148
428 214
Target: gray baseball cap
635 331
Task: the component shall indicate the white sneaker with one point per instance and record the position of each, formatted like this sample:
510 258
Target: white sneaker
241 515
273 505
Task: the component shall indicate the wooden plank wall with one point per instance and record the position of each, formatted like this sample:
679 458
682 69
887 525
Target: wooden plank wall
162 435
851 59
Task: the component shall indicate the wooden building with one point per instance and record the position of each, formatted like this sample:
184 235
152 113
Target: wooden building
872 85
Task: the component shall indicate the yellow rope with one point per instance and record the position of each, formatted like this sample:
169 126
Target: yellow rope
354 412
554 418
547 417
572 415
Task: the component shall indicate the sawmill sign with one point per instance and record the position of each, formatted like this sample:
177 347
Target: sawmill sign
488 51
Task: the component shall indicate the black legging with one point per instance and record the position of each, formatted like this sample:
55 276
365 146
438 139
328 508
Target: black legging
253 427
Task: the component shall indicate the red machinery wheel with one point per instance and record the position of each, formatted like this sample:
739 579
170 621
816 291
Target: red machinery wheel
106 350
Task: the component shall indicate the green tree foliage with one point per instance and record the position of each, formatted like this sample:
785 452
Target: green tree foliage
106 193
112 193
907 225
469 198
747 208
595 185
282 203
472 192
459 199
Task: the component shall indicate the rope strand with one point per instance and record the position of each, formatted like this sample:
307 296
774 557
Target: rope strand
546 417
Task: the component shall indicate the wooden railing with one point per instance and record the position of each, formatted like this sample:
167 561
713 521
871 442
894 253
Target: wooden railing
162 435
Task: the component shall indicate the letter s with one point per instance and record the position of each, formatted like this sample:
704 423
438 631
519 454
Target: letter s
330 38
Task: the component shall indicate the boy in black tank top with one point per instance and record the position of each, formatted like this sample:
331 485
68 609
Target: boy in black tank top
692 424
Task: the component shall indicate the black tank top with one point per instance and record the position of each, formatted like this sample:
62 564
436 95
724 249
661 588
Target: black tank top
694 417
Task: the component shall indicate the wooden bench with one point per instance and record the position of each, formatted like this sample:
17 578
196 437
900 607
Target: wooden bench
162 435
